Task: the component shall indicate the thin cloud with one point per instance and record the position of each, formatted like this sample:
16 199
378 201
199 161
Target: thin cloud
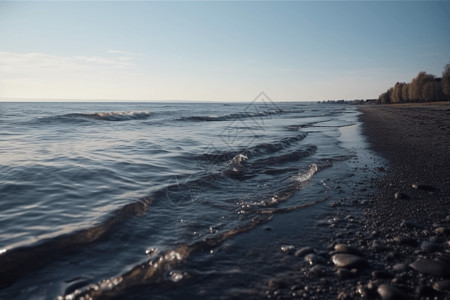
120 52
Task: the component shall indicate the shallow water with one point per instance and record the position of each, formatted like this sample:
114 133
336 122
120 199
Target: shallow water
139 199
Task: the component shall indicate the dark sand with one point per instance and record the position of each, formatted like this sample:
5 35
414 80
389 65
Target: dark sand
416 142
399 246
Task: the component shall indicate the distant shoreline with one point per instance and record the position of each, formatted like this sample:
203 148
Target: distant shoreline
441 103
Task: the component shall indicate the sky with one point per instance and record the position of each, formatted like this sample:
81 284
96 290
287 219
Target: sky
217 51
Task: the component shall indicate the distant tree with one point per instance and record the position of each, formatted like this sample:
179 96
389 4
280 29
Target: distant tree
396 95
423 87
385 98
417 85
405 95
432 90
446 81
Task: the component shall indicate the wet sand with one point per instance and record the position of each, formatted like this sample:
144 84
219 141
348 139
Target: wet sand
398 244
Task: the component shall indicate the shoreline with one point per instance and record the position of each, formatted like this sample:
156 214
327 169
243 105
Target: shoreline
400 248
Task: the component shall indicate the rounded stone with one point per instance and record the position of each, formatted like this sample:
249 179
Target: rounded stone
342 260
431 267
443 230
404 240
424 187
313 259
380 274
400 267
287 249
342 248
303 251
442 286
400 195
426 246
388 292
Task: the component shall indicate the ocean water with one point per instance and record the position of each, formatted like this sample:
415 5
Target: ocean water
169 200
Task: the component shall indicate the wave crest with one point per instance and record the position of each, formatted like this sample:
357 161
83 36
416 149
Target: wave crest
114 116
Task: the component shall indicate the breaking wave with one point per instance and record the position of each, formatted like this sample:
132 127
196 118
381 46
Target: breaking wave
114 116
102 116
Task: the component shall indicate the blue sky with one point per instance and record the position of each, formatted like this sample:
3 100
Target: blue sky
218 51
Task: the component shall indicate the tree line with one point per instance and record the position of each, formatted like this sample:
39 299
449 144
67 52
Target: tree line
423 88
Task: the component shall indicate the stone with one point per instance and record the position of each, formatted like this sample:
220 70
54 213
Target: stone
303 251
405 240
431 267
343 273
342 248
388 292
342 260
318 271
287 249
442 286
400 195
443 230
362 291
424 187
429 247
313 259
411 224
277 283
400 267
423 291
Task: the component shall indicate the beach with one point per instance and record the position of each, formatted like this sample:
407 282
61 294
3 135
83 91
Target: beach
400 247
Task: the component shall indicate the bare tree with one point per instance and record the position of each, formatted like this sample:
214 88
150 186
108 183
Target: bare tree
446 81
405 95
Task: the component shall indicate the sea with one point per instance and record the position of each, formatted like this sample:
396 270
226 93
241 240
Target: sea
171 200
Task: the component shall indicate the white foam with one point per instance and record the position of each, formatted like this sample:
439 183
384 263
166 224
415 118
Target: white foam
309 174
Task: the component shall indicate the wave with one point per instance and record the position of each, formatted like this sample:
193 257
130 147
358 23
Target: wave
218 157
238 116
19 261
113 116
102 116
287 157
162 265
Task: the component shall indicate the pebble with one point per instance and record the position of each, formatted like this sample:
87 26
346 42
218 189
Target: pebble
348 261
277 283
303 251
400 267
313 259
400 195
424 187
362 291
429 247
411 224
343 273
388 292
442 230
342 248
404 240
287 249
442 286
432 267
423 291
318 270
380 274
